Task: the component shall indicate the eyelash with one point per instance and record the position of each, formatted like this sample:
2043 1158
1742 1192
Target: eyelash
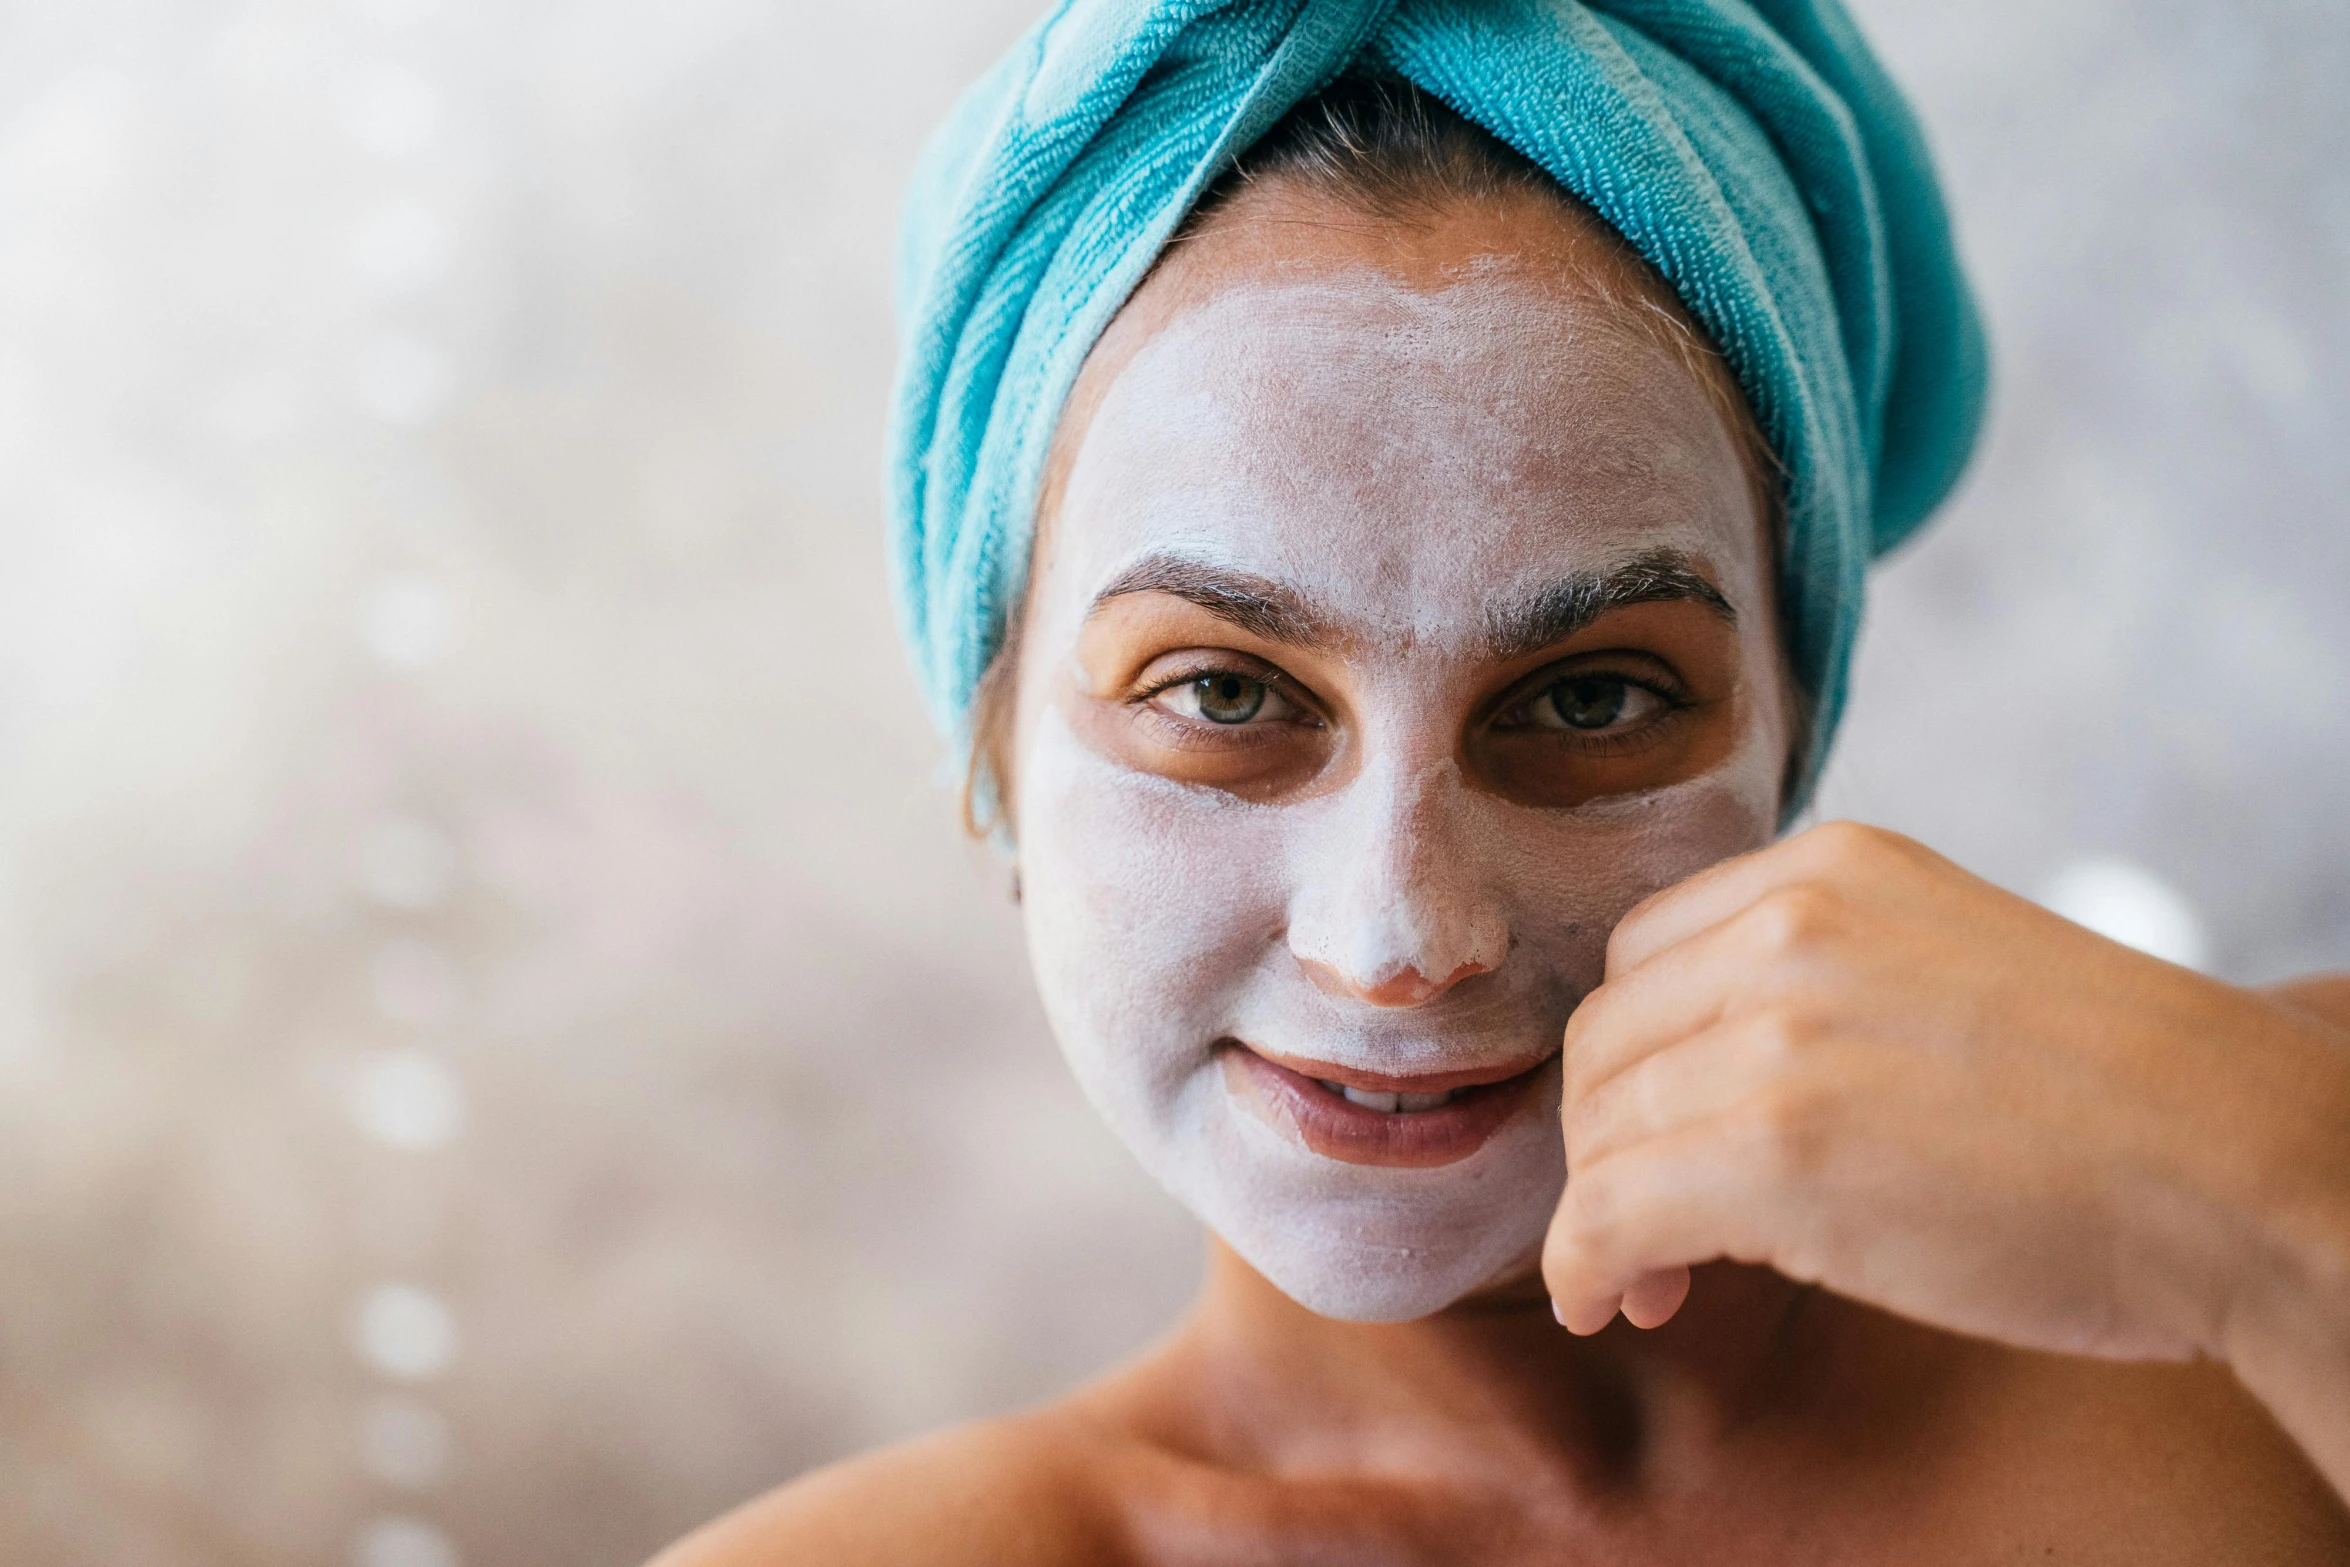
1670 693
1141 697
1674 698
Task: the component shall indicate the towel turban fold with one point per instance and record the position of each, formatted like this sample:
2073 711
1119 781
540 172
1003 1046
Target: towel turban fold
1752 150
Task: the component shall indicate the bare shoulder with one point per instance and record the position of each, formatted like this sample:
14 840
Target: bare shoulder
2145 1463
1023 1489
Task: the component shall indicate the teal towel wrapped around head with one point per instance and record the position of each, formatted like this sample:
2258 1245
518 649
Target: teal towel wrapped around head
1752 150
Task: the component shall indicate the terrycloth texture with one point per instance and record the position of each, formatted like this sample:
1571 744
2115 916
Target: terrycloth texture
1752 150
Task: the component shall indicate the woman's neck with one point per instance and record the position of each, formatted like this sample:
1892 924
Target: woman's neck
1494 1378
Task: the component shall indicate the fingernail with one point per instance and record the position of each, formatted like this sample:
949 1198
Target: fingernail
1560 1312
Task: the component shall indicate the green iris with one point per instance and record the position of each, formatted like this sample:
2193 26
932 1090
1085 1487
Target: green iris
1228 699
1589 702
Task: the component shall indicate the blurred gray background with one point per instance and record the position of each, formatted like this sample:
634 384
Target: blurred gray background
503 1050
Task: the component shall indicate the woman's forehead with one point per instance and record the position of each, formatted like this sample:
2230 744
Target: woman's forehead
1400 449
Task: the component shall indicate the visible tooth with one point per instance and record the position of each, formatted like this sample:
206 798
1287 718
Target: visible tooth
1336 1088
1372 1099
1423 1101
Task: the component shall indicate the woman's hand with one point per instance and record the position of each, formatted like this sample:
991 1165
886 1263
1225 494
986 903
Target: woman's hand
1846 1058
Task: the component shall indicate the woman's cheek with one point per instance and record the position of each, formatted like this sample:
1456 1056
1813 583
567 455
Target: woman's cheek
1149 906
1648 842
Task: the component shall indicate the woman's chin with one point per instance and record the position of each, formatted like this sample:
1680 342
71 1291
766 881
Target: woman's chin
1380 1242
1369 1282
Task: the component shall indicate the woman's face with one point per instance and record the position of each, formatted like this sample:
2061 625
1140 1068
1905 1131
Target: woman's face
1401 617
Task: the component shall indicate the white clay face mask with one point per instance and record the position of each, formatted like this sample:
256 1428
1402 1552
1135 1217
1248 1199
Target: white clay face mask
1328 1020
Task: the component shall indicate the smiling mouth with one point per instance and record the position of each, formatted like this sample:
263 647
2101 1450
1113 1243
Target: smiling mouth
1415 1122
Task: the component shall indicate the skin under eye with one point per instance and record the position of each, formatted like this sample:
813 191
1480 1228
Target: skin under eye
1219 719
1596 708
1602 725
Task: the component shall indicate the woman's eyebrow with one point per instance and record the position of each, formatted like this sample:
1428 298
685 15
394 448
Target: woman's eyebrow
1269 609
1566 606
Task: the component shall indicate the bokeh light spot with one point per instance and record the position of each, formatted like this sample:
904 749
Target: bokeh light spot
408 1100
404 1332
2126 902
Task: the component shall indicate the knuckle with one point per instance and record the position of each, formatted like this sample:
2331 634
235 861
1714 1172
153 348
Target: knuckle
1585 1115
1583 1062
1782 1036
1591 1017
1792 918
1627 938
1858 843
1851 838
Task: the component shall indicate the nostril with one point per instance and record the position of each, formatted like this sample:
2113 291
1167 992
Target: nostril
1406 987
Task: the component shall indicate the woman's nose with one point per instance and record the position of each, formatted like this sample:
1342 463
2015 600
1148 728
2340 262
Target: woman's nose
1390 904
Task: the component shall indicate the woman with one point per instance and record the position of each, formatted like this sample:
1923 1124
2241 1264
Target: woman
1384 492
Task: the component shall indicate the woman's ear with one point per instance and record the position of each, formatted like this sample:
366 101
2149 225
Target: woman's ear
987 773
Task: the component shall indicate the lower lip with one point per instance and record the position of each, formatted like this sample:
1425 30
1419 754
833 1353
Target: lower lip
1338 1128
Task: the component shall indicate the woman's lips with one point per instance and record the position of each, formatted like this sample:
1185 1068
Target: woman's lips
1361 1117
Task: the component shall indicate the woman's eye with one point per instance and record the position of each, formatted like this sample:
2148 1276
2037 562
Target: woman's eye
1224 698
1592 702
